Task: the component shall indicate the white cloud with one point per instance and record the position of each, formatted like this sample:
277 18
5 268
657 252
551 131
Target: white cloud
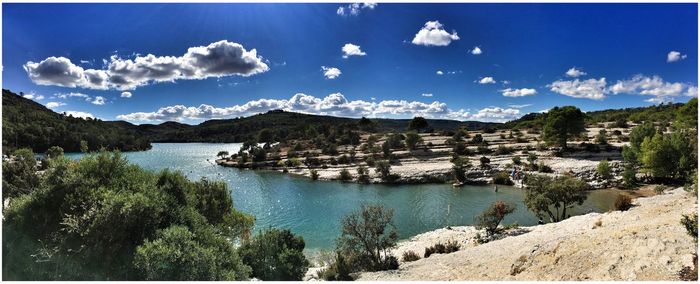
674 56
354 9
654 86
487 80
426 95
126 95
518 92
72 95
218 59
520 106
330 72
54 104
587 89
33 96
432 34
476 50
350 49
80 114
334 104
439 72
573 72
98 101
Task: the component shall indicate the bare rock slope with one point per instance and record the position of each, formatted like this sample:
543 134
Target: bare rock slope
645 243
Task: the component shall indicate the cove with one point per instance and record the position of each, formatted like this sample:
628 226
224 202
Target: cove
313 209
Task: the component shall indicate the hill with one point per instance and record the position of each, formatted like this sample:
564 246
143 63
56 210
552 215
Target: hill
26 123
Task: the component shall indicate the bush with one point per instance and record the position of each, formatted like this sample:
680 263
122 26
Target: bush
690 222
484 161
483 149
383 168
343 159
502 178
542 168
275 255
659 189
409 256
450 247
55 152
544 193
366 234
370 161
460 148
623 202
517 161
503 150
492 216
345 175
412 140
362 174
339 270
629 177
603 170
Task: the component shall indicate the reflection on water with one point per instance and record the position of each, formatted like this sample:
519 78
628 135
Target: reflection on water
313 209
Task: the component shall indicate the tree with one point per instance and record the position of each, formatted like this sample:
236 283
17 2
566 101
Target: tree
222 154
418 123
383 168
669 155
19 176
345 175
562 123
484 161
275 255
687 115
54 152
367 237
492 216
362 174
603 169
601 138
84 146
553 196
266 136
412 139
458 168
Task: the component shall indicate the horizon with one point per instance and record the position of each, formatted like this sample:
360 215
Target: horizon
190 63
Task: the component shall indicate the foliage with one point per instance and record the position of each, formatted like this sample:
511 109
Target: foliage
344 175
604 170
418 123
516 160
362 174
275 255
552 196
601 138
629 177
412 139
484 161
54 152
314 174
669 155
563 123
409 256
460 148
623 202
458 168
492 216
19 175
339 270
690 222
502 178
367 236
449 247
503 150
101 218
383 168
27 124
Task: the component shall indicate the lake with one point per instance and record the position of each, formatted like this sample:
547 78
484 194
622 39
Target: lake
313 209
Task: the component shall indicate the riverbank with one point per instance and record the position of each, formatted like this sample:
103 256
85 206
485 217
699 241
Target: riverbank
646 242
431 160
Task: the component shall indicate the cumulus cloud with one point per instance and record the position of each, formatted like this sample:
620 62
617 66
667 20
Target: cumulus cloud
350 49
518 92
33 96
80 114
330 72
126 95
426 95
487 80
573 72
654 86
587 89
334 104
476 50
439 72
433 34
218 59
520 106
54 104
354 9
98 101
674 56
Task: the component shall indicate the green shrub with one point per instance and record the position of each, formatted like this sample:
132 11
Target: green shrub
383 168
345 175
339 270
604 170
275 255
623 202
449 247
492 216
517 161
659 189
313 174
409 256
484 161
629 177
542 168
502 178
690 222
503 150
543 194
362 174
55 152
366 234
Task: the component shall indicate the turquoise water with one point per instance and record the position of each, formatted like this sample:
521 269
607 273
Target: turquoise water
313 209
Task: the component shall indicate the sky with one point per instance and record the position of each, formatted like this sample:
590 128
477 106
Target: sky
149 63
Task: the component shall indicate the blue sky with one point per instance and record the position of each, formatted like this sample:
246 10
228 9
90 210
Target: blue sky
92 59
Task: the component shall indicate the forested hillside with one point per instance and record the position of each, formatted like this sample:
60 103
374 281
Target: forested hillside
27 124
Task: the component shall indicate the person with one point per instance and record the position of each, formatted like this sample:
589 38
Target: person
495 188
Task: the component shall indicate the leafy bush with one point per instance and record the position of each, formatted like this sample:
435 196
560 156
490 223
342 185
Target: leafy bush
484 161
552 196
492 216
339 270
345 175
313 174
604 170
659 189
629 177
409 256
55 152
690 222
362 174
19 176
275 255
542 168
460 148
367 234
502 178
412 139
383 168
449 247
623 202
503 150
516 160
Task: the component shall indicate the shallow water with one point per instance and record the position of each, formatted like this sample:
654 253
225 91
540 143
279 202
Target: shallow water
313 209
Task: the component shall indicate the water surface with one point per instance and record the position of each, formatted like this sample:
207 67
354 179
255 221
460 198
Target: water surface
313 209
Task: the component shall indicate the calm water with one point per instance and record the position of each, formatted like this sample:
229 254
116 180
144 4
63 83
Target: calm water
313 208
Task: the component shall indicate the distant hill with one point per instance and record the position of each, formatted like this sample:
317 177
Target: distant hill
282 123
26 123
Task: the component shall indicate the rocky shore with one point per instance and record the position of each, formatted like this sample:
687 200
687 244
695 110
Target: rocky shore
646 242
